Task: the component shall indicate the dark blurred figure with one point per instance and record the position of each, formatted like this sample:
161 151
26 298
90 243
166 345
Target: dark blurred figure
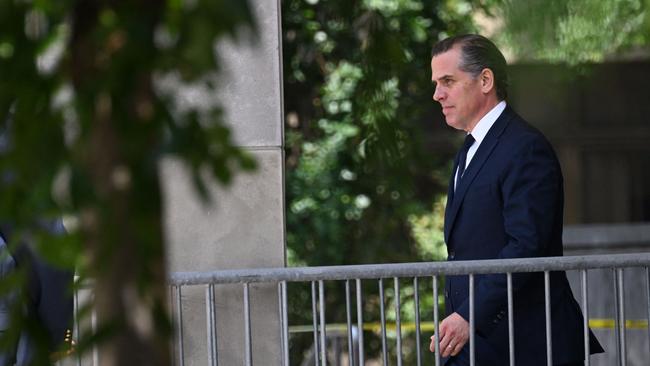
45 298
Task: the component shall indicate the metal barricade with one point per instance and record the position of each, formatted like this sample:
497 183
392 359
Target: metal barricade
353 276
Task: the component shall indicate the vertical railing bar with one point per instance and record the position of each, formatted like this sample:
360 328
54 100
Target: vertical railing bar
436 339
585 313
360 322
323 334
472 325
621 308
211 326
285 321
348 315
214 322
173 320
398 322
647 278
248 349
416 298
93 326
179 326
281 317
76 337
511 317
617 319
547 310
314 317
382 310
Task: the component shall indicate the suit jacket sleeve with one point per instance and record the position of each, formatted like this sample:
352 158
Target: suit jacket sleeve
531 197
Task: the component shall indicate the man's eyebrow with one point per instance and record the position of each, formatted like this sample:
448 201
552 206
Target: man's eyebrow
444 77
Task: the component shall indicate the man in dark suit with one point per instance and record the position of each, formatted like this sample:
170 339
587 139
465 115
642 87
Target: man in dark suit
47 302
505 200
45 297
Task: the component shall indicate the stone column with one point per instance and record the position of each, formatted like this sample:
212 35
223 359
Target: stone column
244 226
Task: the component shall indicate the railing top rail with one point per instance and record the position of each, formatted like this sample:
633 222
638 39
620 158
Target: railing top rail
374 271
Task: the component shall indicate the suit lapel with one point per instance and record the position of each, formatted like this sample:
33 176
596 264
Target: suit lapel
474 167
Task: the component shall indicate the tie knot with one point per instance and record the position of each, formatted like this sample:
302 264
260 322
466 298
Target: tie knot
469 140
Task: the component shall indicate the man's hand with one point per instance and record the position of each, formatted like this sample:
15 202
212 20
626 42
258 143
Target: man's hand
454 333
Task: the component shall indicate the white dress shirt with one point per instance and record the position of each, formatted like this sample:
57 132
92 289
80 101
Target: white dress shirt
480 131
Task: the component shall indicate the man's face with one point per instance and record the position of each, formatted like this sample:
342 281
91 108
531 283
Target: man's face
457 91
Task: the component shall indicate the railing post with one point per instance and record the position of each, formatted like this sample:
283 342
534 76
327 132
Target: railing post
248 347
585 310
75 310
472 344
511 326
348 313
179 327
315 322
285 322
398 322
360 322
436 338
213 358
547 310
416 299
382 311
620 299
647 278
323 334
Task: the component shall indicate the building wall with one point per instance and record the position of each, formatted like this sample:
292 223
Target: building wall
243 227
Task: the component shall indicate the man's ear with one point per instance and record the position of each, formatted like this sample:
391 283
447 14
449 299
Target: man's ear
486 78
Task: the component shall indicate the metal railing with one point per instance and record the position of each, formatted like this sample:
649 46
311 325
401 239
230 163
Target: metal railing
353 276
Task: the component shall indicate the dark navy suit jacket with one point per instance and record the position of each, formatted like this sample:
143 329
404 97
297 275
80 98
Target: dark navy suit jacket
509 204
49 296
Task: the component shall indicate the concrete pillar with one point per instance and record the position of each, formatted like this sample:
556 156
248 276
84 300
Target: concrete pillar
244 227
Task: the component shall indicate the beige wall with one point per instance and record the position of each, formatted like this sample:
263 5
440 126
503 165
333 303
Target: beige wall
244 227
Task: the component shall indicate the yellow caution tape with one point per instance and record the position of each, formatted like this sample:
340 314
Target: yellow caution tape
408 327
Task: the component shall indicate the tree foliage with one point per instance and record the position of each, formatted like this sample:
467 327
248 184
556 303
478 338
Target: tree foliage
357 89
88 128
362 184
574 31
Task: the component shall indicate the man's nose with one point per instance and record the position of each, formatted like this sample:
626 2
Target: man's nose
438 94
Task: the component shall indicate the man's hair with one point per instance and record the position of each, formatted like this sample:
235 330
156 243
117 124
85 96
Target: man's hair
477 53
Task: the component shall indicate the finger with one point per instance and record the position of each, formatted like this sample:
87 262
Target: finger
432 346
447 351
444 342
456 349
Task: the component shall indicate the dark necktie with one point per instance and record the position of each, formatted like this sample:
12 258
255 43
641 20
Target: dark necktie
469 140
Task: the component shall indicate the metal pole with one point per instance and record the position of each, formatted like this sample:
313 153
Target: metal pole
647 278
285 321
76 324
511 326
382 310
416 294
472 344
314 317
621 309
585 309
547 309
398 323
323 335
211 325
248 356
360 322
179 327
436 339
617 319
348 312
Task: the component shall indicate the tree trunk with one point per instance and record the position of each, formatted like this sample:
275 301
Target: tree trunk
121 213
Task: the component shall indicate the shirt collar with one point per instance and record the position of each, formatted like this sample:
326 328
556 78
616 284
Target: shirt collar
484 124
